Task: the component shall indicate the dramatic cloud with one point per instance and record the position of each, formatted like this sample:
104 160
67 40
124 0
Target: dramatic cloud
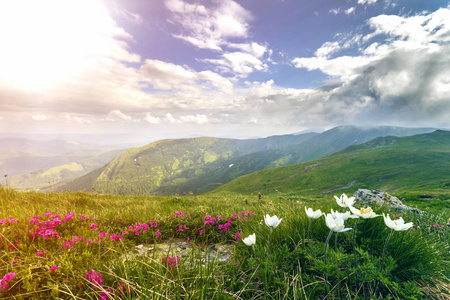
404 75
210 27
213 28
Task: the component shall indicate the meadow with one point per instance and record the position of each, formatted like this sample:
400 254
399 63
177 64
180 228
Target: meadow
83 246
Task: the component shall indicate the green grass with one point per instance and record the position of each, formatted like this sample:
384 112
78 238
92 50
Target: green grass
289 267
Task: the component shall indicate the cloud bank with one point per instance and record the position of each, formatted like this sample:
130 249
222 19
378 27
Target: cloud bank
83 76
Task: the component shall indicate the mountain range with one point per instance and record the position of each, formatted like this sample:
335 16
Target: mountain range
199 165
413 163
31 164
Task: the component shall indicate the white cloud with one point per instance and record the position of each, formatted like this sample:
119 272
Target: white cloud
152 120
363 2
166 76
335 11
198 119
402 75
170 118
210 27
116 115
253 48
350 10
239 63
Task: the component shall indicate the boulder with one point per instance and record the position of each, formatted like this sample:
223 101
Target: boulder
371 197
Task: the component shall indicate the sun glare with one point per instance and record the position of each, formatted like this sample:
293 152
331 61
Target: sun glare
45 42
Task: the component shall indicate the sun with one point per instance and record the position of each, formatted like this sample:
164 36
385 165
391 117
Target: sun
45 42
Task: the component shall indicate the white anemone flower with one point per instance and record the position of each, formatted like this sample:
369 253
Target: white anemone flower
250 240
273 221
335 224
397 225
344 201
313 214
343 216
365 213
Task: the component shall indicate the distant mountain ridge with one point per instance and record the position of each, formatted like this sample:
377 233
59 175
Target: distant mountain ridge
419 162
203 164
166 166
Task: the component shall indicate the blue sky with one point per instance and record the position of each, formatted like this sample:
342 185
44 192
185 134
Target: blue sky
154 69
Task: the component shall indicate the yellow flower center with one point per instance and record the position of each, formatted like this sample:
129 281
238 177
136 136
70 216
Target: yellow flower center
365 210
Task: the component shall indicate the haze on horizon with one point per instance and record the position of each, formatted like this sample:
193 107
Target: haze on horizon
224 68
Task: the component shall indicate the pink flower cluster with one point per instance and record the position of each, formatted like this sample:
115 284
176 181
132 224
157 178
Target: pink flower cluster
69 244
115 237
211 220
9 221
225 226
45 229
94 277
53 268
41 253
69 217
178 214
182 227
171 261
4 284
93 226
138 227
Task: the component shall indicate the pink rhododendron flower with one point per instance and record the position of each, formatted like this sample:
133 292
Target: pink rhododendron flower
123 289
53 268
102 235
106 294
157 233
94 277
4 284
93 226
83 217
171 261
115 237
40 253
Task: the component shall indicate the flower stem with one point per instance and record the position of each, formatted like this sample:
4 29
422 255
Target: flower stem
335 241
385 246
326 244
354 242
309 228
268 244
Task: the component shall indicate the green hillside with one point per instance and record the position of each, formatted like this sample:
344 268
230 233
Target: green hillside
420 162
174 166
326 143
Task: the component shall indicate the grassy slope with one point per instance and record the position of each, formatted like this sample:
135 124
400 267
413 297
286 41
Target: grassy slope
420 163
166 167
321 145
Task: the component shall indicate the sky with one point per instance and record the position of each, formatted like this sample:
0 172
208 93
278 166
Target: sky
144 70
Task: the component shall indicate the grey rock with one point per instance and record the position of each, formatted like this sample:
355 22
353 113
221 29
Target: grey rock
371 197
